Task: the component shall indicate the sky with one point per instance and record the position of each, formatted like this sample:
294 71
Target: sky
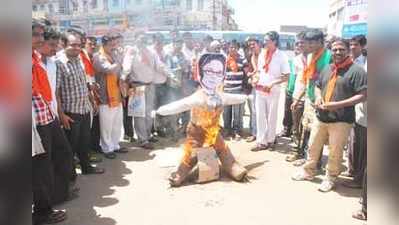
265 15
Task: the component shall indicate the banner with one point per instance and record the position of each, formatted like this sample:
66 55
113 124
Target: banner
355 20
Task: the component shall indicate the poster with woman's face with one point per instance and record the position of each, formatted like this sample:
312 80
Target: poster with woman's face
212 68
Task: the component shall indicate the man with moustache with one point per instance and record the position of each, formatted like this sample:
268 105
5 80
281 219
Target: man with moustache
339 88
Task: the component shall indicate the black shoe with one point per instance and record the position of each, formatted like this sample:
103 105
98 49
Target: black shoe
121 150
55 216
93 170
110 155
153 140
352 184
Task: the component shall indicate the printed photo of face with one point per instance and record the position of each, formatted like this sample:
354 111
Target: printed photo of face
213 75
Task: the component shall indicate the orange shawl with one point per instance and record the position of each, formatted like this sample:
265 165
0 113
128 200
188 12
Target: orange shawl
310 70
268 58
40 83
232 63
111 80
334 76
89 69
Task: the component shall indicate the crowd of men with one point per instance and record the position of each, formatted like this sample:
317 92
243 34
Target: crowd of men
88 94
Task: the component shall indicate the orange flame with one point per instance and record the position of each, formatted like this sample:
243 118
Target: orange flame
209 121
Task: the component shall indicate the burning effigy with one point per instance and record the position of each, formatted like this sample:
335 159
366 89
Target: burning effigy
206 106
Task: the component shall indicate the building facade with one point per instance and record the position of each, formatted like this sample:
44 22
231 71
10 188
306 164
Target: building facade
98 16
347 17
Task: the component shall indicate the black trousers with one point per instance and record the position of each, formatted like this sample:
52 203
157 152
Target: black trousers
79 138
364 191
42 184
127 120
59 160
95 134
358 158
287 121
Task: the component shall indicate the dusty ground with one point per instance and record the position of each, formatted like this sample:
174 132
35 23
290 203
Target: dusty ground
135 191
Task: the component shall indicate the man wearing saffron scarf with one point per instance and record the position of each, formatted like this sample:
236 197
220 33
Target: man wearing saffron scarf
339 88
45 122
273 70
318 59
233 84
108 70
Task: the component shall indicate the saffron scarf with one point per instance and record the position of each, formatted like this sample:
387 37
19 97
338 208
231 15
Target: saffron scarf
40 83
111 80
268 58
334 77
232 63
89 69
310 70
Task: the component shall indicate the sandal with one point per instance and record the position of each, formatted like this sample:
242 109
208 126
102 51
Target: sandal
55 217
302 176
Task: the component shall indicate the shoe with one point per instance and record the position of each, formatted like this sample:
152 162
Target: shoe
271 145
121 150
55 216
302 176
133 140
231 166
360 215
352 184
251 139
110 155
259 147
326 186
236 137
93 170
177 178
153 140
148 146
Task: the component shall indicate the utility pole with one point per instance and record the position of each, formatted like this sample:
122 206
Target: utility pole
214 14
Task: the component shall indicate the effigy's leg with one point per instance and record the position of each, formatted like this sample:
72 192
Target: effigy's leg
195 139
229 163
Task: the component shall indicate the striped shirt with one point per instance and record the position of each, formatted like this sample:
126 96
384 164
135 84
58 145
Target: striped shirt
234 80
72 85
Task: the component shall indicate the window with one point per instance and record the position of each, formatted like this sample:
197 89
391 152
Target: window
51 8
200 5
94 4
42 7
34 8
115 3
105 4
189 5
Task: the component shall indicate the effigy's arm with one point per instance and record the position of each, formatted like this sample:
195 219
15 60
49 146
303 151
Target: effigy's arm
179 106
233 99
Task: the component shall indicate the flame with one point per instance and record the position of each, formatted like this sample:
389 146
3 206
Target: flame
209 121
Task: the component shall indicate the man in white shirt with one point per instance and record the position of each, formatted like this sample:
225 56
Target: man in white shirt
142 69
273 70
